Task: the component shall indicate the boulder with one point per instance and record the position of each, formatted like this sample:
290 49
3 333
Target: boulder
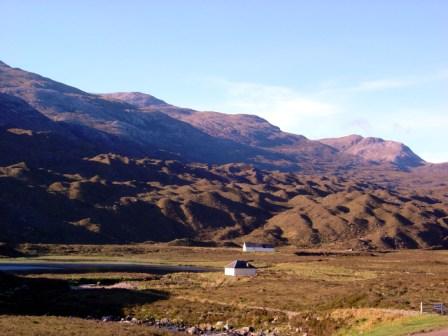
192 330
219 325
164 321
107 318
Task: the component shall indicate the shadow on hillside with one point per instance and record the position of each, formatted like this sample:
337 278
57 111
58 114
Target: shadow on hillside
304 253
10 250
41 296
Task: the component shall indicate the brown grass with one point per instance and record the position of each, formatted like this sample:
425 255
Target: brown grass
65 326
319 291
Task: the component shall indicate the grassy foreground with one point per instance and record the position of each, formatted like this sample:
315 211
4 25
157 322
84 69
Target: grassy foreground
405 326
320 293
64 326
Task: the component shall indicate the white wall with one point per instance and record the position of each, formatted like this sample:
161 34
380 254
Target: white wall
229 271
240 271
258 249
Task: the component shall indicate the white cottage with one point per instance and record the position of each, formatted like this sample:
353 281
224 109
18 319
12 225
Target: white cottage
252 247
240 268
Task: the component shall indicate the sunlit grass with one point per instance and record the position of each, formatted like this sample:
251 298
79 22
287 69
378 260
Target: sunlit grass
400 327
322 271
315 288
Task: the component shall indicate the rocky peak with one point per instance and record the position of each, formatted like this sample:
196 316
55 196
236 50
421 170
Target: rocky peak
138 99
376 150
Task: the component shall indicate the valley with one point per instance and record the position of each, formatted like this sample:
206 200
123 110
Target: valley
113 168
123 200
318 292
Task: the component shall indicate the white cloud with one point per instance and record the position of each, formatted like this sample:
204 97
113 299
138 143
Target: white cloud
434 157
281 106
422 120
360 125
328 112
382 84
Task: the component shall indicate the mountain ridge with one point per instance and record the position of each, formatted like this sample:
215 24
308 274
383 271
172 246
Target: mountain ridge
126 111
265 135
77 167
376 149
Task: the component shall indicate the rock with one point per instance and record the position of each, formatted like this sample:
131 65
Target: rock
148 321
227 326
205 327
219 325
245 330
107 318
134 320
164 321
192 330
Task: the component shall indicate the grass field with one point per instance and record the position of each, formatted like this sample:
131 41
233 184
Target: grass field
399 327
317 292
64 326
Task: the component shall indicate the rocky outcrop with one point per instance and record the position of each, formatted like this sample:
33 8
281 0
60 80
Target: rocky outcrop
376 150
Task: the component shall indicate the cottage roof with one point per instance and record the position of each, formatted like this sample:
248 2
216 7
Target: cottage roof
239 264
258 245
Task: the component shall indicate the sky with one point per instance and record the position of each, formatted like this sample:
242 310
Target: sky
321 68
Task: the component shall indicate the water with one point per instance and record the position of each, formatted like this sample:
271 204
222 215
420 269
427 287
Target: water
70 267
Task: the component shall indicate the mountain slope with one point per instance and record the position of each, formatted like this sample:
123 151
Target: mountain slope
121 126
313 156
298 152
111 198
78 167
376 150
142 124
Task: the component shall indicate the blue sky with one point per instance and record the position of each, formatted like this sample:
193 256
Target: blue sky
317 68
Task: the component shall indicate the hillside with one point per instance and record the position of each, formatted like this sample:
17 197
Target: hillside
111 198
376 150
140 124
120 127
129 167
297 152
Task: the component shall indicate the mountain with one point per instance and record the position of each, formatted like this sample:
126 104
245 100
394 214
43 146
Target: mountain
140 124
136 99
110 198
121 127
296 151
376 150
314 156
27 135
77 167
